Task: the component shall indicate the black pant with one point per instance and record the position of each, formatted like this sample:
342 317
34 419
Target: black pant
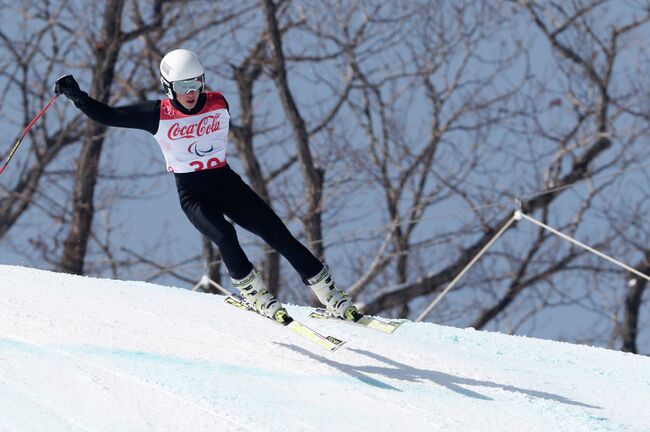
206 196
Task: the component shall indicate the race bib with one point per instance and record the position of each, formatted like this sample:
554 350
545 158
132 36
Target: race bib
194 142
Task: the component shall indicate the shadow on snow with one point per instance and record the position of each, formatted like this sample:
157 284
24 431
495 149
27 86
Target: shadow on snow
403 372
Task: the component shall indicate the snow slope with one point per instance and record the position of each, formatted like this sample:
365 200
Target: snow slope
83 354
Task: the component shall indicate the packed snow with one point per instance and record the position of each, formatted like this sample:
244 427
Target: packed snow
84 354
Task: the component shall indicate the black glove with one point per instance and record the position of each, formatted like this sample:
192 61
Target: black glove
68 86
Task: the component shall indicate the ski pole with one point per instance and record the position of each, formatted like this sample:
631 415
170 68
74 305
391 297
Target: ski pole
29 126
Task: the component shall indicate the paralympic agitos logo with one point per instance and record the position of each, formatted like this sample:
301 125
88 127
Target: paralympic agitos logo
206 125
194 148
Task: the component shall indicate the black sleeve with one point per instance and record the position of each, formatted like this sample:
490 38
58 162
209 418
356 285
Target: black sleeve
142 115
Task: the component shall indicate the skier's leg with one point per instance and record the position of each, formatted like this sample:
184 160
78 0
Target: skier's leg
208 220
253 214
249 211
254 290
335 300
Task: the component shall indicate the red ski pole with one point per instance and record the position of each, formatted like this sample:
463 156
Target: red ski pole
29 126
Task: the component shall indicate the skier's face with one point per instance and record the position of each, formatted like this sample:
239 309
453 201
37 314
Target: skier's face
187 91
188 100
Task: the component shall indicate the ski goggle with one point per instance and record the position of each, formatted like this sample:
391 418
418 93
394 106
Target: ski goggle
185 86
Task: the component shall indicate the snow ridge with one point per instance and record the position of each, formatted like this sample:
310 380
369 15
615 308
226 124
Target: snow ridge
85 354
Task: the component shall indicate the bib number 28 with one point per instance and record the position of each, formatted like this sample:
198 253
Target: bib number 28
212 163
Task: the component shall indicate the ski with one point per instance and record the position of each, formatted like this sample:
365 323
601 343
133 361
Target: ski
330 343
381 324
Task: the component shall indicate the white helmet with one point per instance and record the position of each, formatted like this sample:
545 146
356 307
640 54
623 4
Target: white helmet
179 65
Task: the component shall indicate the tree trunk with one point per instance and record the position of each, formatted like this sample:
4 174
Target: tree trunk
212 259
314 177
245 76
633 302
106 53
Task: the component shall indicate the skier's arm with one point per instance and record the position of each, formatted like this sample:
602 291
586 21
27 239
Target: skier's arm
143 115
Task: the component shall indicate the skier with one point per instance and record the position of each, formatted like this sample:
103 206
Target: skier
191 128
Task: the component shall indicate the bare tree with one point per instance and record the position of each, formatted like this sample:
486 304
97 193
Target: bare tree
313 176
633 303
586 60
212 259
245 75
106 52
24 52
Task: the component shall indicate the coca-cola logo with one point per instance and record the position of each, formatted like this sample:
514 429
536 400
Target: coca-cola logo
205 126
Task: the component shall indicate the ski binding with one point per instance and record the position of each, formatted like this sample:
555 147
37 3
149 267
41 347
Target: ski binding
330 343
383 325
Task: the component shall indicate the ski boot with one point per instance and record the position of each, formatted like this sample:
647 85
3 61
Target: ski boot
253 290
335 301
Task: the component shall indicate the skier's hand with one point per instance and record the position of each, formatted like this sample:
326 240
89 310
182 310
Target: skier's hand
68 86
